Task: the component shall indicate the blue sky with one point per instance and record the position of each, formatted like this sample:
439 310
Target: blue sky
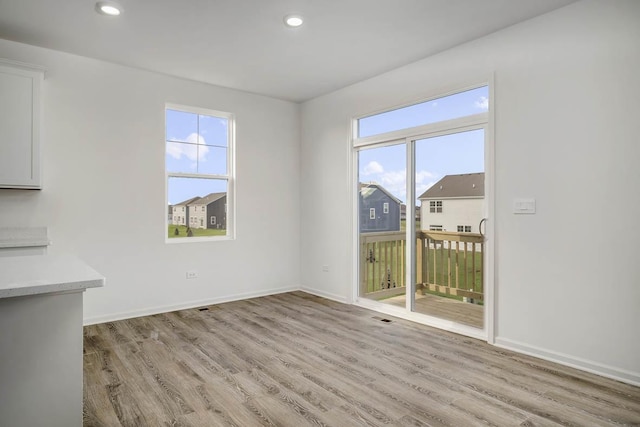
435 157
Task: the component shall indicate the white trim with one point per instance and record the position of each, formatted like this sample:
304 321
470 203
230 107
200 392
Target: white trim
490 286
197 110
327 295
230 177
354 190
409 136
197 175
445 126
607 371
184 306
410 226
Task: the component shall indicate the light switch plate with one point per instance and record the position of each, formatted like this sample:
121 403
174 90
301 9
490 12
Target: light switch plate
524 206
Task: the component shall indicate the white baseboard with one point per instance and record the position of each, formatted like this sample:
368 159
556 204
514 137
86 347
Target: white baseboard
618 374
183 306
607 371
327 295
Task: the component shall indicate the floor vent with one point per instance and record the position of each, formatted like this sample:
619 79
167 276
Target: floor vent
203 309
385 320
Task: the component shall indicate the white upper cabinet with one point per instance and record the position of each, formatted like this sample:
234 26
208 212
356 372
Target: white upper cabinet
20 105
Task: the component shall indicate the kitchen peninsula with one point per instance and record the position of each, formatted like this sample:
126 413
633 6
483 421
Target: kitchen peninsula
41 339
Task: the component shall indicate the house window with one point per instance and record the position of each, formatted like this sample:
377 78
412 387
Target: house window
385 208
213 220
435 227
435 206
464 229
199 166
372 213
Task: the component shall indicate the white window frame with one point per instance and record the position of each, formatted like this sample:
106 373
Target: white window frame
229 177
213 220
408 136
385 207
372 213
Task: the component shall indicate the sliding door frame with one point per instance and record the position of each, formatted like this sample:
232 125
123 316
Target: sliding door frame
409 137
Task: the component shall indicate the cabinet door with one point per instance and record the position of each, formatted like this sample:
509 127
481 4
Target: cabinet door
19 126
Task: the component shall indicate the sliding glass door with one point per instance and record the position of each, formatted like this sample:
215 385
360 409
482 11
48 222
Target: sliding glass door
422 209
382 186
450 208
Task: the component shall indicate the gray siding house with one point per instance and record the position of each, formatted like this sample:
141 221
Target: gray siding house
209 211
180 211
379 209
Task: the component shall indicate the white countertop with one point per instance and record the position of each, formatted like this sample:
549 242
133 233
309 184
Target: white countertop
42 274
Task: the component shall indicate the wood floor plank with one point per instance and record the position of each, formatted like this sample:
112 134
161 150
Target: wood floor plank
296 359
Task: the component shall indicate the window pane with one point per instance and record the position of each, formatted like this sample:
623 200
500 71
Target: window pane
181 157
196 143
212 160
214 130
181 125
197 207
461 104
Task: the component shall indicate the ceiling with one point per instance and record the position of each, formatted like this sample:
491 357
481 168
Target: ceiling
243 44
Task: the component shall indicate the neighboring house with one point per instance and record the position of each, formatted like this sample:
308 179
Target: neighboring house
455 203
209 211
180 212
170 214
403 212
379 209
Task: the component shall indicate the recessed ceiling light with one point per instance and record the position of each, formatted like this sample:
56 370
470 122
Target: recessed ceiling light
293 20
110 8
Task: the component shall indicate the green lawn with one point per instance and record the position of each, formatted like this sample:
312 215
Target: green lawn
403 225
197 232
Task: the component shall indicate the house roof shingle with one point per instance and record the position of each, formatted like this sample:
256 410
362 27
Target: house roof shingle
209 198
188 201
368 189
452 186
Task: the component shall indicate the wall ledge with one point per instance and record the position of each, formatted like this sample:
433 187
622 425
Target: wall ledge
24 237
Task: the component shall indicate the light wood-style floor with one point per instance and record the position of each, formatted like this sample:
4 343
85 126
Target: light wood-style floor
443 308
299 360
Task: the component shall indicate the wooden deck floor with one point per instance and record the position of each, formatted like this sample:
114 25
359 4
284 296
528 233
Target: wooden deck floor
444 308
299 360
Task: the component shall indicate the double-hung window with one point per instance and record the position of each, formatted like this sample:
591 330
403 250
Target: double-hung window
199 167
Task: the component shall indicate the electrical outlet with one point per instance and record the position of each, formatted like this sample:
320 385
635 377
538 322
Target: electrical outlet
192 274
325 268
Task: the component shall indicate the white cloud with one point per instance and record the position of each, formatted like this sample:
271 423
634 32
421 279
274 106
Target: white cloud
194 151
396 181
422 175
372 167
434 104
424 180
482 103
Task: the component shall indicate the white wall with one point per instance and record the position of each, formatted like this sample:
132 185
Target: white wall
566 133
103 196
